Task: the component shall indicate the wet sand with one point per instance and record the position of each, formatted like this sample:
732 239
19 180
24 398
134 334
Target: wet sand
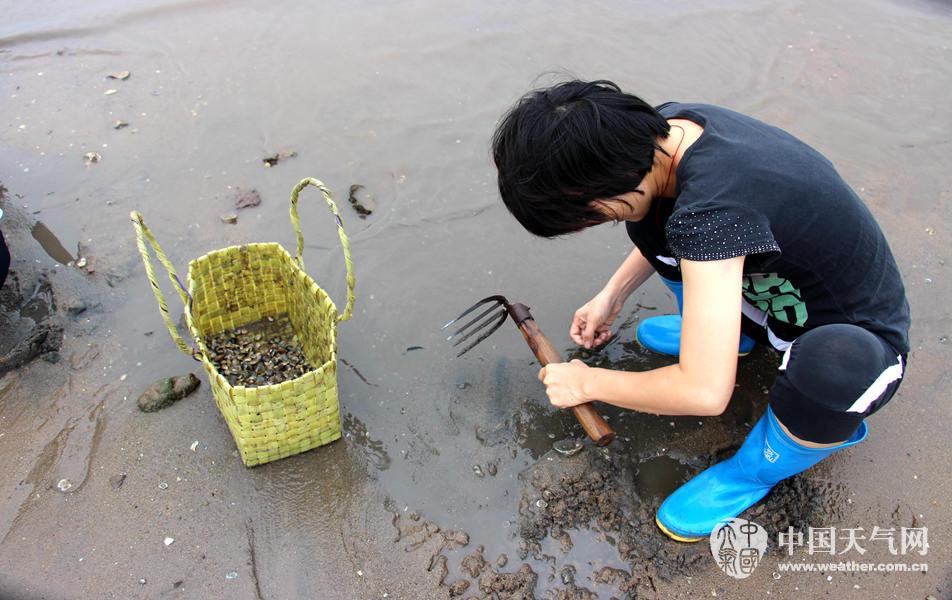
402 99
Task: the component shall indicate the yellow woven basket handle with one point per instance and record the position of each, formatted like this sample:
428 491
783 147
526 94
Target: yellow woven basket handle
143 236
349 310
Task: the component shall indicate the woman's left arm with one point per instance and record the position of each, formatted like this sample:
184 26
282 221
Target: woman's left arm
703 380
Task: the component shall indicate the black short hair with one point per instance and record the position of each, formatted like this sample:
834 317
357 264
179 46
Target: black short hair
562 147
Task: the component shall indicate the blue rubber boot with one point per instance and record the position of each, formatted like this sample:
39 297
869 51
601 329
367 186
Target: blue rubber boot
663 334
727 489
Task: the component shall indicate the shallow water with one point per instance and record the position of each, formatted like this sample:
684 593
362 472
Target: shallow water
402 98
51 244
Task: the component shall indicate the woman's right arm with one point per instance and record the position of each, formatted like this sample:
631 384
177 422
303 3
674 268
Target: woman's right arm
592 323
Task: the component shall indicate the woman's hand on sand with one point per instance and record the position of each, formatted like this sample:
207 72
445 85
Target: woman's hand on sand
565 383
592 324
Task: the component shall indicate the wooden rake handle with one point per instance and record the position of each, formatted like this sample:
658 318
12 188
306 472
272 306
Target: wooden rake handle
593 424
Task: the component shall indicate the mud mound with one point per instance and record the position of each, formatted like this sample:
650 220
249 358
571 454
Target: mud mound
509 586
35 302
573 592
594 490
490 583
29 328
800 502
597 490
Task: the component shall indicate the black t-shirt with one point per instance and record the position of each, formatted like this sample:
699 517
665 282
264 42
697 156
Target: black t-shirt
815 254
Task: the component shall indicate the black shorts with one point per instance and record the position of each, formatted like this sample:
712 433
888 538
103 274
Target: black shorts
833 377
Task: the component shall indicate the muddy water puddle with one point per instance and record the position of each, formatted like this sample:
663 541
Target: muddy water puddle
657 477
51 244
584 524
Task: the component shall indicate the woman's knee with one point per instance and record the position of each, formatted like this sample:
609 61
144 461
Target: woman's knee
831 378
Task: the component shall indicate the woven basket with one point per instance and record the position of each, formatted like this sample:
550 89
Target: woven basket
239 285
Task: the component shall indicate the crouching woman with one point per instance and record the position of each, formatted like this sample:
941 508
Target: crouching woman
760 240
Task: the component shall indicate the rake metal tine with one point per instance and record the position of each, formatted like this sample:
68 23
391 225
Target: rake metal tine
491 308
498 324
499 299
479 327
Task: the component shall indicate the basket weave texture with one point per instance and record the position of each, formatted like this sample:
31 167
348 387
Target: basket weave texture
238 285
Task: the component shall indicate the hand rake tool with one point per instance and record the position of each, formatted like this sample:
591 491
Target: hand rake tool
495 310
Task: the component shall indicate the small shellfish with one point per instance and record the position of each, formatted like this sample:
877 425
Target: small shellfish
263 353
568 447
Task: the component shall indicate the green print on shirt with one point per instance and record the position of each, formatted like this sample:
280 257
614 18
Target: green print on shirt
775 296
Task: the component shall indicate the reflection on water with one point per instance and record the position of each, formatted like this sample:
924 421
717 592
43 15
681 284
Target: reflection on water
655 478
51 244
536 427
374 450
